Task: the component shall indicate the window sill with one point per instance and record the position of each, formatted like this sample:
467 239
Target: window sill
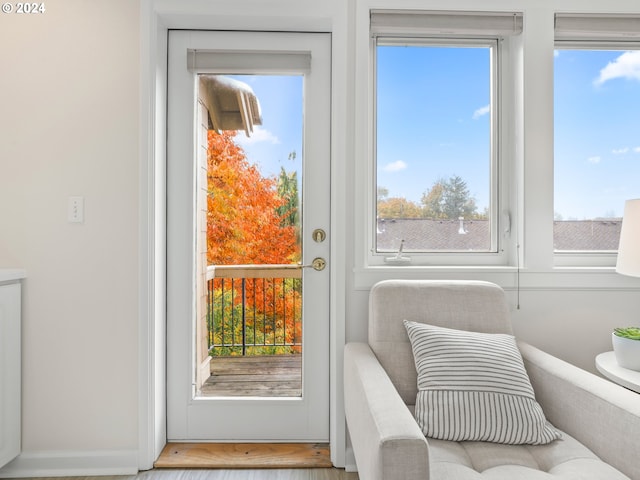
508 277
585 260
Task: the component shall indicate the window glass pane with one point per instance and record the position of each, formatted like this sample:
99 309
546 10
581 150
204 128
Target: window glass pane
597 147
433 148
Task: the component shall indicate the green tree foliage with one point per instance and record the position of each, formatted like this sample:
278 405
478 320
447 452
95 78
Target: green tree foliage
447 199
382 193
433 201
288 192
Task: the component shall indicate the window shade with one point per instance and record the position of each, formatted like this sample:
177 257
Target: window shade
216 61
432 23
571 26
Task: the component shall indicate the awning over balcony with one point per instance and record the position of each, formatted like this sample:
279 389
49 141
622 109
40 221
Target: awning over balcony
232 104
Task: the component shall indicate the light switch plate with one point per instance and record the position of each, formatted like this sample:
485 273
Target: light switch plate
75 210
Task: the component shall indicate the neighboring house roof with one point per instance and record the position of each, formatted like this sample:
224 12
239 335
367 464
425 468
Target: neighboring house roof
420 234
587 234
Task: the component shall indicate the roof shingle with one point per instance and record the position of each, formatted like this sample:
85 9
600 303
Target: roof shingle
421 234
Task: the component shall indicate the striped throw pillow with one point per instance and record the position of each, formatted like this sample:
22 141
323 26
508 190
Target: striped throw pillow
473 386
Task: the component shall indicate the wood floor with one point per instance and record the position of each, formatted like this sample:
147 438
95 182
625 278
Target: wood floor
259 376
272 474
282 474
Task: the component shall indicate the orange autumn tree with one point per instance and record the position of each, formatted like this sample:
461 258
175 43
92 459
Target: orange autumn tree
246 225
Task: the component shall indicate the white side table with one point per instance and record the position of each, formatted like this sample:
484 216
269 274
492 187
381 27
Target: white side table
608 366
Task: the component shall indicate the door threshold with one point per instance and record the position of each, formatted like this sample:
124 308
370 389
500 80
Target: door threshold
244 455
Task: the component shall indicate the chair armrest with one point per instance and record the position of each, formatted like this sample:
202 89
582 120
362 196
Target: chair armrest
604 416
387 442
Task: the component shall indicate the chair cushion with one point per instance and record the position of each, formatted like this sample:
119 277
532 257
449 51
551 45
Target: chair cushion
564 459
473 386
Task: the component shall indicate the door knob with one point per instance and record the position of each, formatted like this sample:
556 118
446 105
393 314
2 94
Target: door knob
318 264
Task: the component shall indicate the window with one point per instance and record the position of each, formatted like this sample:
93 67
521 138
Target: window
433 146
596 125
437 133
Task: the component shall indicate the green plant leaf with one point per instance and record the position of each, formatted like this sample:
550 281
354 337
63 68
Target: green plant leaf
632 333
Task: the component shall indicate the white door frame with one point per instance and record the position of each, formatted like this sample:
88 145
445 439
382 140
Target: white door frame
192 417
155 21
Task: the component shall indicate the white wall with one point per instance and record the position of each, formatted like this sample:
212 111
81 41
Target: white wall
69 125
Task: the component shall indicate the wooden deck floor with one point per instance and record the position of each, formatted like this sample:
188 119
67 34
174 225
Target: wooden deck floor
259 376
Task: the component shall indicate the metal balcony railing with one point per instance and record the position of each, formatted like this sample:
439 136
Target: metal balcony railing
254 309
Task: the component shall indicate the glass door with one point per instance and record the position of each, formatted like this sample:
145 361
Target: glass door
248 217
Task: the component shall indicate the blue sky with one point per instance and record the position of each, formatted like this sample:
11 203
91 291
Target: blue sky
280 100
597 132
432 119
433 122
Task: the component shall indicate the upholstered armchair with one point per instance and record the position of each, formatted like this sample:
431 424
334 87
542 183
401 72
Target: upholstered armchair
597 422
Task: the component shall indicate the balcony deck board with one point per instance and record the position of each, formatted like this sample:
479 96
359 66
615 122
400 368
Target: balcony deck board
255 376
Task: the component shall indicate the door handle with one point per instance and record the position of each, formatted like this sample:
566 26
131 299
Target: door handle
318 264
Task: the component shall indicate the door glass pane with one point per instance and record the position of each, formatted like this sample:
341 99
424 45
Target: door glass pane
253 233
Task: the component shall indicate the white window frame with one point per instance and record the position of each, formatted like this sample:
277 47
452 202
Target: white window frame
593 32
503 198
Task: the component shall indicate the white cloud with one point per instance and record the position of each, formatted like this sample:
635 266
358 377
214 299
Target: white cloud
556 53
396 166
637 149
626 66
481 111
258 135
594 160
620 151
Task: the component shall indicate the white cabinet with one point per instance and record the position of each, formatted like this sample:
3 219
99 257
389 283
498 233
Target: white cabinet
10 370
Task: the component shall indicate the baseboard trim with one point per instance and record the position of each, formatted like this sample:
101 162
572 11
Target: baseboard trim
350 461
72 464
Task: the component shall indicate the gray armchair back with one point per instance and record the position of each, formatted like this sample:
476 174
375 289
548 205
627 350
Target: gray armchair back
474 306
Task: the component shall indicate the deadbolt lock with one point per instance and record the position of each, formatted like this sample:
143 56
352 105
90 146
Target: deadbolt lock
319 235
